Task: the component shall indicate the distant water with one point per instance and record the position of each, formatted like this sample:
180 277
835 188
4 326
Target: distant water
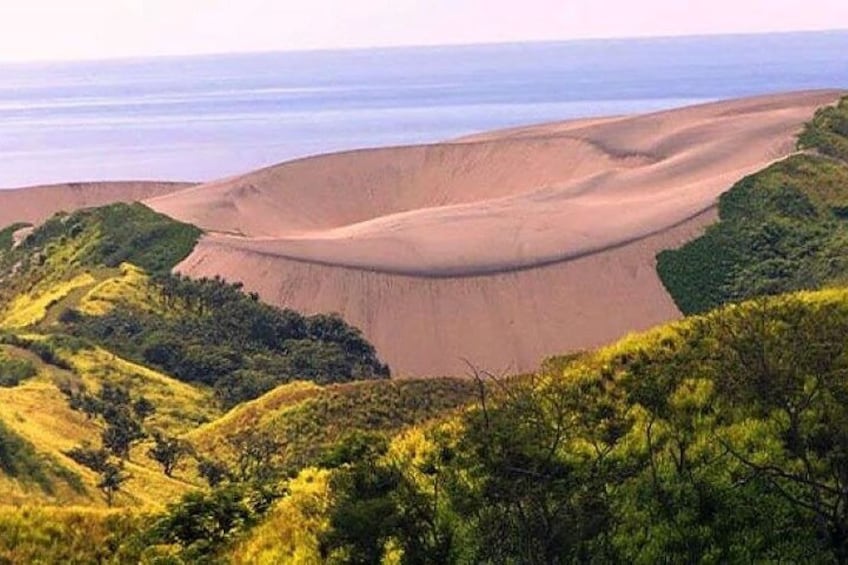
195 118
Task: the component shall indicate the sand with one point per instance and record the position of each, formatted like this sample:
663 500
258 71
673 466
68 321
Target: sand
36 204
500 248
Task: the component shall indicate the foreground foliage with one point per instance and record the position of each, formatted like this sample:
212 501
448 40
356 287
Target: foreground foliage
721 439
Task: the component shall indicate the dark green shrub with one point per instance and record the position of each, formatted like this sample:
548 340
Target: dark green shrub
13 371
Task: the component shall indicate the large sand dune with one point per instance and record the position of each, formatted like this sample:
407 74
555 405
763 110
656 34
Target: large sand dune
36 204
500 248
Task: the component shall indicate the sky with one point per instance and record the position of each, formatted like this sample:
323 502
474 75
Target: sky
96 29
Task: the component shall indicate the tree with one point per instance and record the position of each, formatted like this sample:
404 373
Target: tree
121 432
785 362
143 408
94 459
215 472
168 452
112 479
256 454
375 503
524 499
363 516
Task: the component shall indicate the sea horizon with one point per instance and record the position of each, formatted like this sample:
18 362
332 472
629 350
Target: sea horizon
201 117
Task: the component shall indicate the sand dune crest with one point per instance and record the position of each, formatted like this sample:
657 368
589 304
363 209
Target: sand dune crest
502 247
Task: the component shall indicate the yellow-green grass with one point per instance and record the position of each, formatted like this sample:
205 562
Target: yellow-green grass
40 413
130 285
308 418
30 308
66 535
671 332
256 413
180 407
94 292
289 534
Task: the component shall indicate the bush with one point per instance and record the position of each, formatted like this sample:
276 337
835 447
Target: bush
230 341
13 371
779 230
122 232
7 235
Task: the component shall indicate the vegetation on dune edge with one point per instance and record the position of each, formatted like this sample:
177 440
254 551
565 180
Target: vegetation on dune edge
109 360
782 229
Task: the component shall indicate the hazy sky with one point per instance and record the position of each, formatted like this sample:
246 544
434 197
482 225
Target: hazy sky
85 29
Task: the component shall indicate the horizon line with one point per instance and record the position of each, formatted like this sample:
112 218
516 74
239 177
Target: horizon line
399 47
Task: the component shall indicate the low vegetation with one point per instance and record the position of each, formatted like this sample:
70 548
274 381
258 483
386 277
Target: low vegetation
115 234
306 421
7 235
827 133
719 439
20 460
13 370
228 340
107 360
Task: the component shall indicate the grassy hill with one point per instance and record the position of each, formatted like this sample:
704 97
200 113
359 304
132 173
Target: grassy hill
88 310
721 438
307 420
125 389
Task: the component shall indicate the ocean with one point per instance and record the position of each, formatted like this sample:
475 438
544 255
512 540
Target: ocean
203 117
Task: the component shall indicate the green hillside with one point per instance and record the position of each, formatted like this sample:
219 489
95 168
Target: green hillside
107 361
715 439
718 439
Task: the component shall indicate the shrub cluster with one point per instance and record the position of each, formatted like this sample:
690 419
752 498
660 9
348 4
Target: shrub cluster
221 337
779 230
13 371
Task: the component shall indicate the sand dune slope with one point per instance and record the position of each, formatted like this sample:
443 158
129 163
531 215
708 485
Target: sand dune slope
500 248
36 204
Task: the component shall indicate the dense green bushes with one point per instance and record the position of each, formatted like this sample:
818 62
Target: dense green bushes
68 536
200 331
7 235
724 439
117 233
226 339
780 230
828 131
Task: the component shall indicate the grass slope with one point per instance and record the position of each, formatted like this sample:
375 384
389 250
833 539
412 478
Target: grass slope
39 413
308 419
85 305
